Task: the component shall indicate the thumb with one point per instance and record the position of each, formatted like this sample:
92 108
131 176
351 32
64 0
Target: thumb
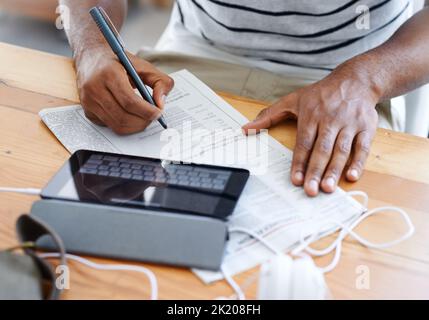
161 88
282 110
160 82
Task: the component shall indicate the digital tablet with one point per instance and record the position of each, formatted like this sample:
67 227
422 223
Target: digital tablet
122 180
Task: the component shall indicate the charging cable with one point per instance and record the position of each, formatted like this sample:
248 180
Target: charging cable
112 267
29 191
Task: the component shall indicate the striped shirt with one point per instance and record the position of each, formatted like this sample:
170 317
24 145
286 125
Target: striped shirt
317 34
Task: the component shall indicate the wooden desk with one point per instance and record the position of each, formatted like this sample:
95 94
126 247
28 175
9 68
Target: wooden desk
396 174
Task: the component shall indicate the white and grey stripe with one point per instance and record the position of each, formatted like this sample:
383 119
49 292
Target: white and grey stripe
319 34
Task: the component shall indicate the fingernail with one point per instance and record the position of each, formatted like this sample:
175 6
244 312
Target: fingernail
354 173
313 185
299 177
250 132
163 98
330 182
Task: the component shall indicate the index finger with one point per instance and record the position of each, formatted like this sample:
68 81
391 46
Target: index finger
305 138
121 89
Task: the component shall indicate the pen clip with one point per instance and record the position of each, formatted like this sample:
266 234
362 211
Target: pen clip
112 26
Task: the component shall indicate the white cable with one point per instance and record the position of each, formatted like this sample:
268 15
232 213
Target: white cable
29 191
234 285
348 230
362 194
336 245
121 267
256 236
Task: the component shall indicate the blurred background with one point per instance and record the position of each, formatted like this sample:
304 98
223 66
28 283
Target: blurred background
31 24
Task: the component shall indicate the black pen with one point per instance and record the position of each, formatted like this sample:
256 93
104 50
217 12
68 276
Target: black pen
114 40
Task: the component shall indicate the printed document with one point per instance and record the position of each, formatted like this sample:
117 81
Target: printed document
203 128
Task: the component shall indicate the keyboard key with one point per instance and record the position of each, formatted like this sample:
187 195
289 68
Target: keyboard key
195 184
113 164
126 175
90 165
103 173
125 170
139 172
125 165
114 169
204 175
88 171
137 177
93 162
218 187
170 170
115 174
96 157
219 181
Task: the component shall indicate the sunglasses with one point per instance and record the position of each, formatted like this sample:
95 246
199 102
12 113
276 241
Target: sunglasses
25 275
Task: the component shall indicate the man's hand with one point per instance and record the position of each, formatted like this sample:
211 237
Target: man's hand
337 120
108 97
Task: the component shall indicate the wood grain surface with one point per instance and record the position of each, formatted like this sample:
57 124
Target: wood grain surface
396 174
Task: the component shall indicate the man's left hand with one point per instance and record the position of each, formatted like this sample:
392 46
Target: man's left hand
337 121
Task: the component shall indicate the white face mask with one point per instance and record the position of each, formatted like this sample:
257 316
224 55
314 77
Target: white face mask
345 229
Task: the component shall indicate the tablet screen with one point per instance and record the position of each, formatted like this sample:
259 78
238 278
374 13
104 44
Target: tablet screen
115 179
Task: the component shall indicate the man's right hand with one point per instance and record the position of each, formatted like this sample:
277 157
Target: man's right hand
107 94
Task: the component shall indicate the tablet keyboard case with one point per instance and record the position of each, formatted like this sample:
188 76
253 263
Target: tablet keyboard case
135 234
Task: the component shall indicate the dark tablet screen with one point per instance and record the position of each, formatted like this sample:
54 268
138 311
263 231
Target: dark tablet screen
121 180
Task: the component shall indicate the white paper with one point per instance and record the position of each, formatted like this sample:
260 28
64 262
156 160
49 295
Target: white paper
270 205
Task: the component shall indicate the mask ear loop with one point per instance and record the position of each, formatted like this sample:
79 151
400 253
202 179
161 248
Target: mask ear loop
234 285
336 245
348 230
304 244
